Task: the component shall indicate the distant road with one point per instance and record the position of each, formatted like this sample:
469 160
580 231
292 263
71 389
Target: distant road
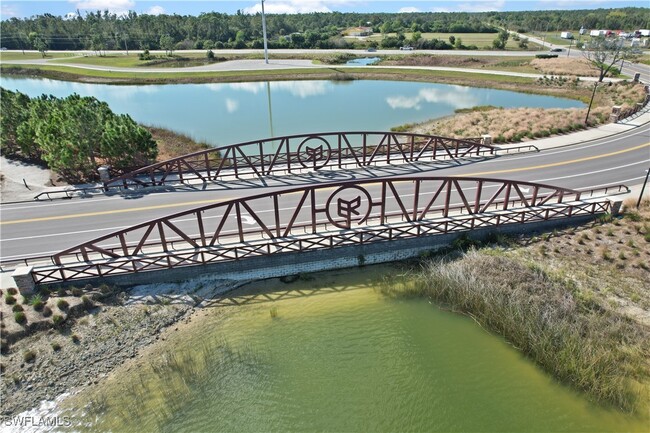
310 51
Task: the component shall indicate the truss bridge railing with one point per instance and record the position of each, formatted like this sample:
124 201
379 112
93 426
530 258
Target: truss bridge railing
297 153
317 217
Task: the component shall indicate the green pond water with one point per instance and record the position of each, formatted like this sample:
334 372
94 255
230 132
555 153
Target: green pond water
337 357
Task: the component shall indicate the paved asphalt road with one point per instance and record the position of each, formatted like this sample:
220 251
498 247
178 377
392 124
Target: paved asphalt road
34 229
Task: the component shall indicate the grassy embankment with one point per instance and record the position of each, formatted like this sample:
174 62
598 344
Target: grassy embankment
333 73
576 302
172 144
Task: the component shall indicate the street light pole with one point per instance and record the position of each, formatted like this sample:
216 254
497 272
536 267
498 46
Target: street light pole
647 174
266 48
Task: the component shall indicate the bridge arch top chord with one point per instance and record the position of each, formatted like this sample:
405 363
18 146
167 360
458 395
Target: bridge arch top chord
294 153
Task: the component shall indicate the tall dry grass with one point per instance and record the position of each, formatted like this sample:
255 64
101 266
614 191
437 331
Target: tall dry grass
520 124
565 66
572 337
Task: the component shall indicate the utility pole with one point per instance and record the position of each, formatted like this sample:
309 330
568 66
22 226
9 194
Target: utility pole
266 48
591 101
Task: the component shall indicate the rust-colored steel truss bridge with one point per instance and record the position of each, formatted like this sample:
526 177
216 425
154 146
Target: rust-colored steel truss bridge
297 153
315 217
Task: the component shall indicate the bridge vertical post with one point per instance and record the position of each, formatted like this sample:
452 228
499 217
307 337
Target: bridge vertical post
207 164
416 198
261 149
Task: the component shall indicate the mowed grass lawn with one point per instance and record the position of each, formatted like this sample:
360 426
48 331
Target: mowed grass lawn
481 40
115 60
8 56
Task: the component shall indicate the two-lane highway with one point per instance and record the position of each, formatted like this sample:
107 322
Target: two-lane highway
34 229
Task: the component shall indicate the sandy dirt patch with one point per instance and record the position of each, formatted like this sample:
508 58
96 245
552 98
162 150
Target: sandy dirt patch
21 181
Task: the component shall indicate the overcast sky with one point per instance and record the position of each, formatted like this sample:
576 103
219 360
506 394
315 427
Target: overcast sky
27 8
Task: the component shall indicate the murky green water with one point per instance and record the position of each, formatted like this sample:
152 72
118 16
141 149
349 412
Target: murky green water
341 358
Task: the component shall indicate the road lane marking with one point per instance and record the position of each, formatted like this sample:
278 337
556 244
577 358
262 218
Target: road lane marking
555 164
111 212
644 163
576 147
164 206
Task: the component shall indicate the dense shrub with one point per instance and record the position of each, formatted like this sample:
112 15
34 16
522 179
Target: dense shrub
87 302
72 135
20 317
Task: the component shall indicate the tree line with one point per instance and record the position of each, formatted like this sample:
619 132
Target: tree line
105 31
610 19
72 135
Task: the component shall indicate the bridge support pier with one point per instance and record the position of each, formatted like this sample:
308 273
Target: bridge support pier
24 280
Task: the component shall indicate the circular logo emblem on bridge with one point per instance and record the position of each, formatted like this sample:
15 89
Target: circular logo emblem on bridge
314 153
348 206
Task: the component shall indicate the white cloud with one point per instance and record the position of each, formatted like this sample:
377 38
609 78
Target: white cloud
114 6
481 6
253 88
155 10
295 6
474 6
231 105
460 97
396 102
301 89
570 4
7 11
408 10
